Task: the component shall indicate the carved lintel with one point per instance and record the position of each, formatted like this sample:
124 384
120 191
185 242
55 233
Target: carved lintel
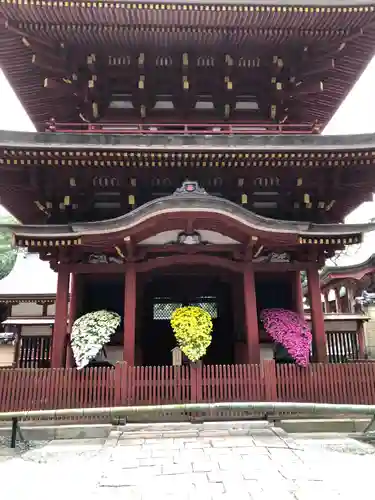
101 258
273 257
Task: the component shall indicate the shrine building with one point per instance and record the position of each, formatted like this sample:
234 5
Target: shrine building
178 160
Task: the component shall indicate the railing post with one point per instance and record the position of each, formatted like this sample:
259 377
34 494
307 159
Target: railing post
361 340
196 382
118 381
269 379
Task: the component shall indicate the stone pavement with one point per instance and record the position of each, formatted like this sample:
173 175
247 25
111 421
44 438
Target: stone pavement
238 460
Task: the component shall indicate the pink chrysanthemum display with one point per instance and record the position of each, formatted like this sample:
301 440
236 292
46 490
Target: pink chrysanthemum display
290 330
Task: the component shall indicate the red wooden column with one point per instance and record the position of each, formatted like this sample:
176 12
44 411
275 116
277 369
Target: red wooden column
69 362
251 315
61 318
297 293
130 313
317 315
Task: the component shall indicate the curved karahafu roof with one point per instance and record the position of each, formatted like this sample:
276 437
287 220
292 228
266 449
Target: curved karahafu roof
189 203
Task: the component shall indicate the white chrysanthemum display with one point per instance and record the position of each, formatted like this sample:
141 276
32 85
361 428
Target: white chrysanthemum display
90 333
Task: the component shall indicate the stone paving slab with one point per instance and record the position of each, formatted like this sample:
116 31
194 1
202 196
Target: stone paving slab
255 463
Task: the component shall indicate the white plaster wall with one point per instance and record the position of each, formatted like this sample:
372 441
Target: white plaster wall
51 309
266 352
37 330
6 355
27 309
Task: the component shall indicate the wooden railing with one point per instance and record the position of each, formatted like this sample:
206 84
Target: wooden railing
38 389
185 129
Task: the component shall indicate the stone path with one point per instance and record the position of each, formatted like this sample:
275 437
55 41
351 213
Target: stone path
211 461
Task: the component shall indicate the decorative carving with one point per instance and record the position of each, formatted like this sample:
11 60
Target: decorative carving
101 258
190 187
273 257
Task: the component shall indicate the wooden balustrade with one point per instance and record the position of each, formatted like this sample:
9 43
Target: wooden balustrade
252 128
38 389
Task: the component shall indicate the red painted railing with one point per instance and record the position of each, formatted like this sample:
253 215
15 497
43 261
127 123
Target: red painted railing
184 129
38 389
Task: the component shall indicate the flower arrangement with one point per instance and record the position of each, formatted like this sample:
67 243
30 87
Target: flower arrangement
289 329
192 327
90 333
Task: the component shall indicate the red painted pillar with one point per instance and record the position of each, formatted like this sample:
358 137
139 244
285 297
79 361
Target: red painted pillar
317 315
69 362
297 293
61 318
129 314
251 315
361 339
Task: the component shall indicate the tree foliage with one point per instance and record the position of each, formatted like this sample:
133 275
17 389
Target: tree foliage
8 254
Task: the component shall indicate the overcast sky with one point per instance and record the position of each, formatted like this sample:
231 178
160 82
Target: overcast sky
355 116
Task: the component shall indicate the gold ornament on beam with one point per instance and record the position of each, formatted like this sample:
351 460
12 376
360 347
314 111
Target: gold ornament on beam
306 198
273 111
185 83
228 83
91 83
141 82
185 59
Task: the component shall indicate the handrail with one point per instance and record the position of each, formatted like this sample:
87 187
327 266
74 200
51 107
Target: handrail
124 411
237 128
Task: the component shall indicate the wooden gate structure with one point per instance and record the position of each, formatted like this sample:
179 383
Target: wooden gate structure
38 389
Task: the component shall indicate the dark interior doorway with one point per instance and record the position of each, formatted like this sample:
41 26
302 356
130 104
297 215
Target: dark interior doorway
99 292
162 294
273 291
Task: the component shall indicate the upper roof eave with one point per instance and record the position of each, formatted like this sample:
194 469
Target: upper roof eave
276 3
58 141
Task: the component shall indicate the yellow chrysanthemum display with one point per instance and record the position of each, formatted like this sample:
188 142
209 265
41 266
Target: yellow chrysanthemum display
192 327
